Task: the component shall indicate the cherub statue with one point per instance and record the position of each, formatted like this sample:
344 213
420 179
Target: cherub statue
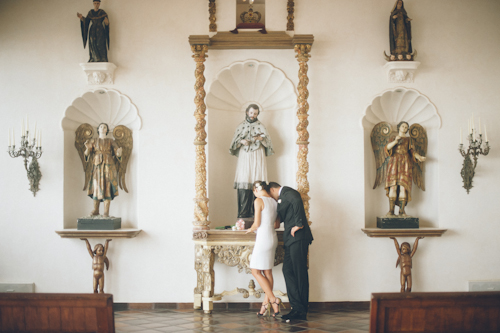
104 162
98 260
404 258
399 160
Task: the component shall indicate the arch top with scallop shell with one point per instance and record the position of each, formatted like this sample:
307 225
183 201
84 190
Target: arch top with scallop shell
251 82
102 106
400 104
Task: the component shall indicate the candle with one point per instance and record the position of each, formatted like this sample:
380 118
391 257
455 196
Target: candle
9 137
461 142
485 133
40 137
27 124
34 133
22 127
472 121
479 126
13 137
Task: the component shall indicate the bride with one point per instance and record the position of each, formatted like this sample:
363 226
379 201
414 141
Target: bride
262 260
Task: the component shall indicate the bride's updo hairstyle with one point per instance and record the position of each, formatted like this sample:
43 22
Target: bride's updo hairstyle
261 185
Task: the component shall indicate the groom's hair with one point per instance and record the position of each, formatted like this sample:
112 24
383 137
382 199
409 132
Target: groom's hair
274 185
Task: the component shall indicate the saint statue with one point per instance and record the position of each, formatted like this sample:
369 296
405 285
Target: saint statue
104 162
400 33
251 144
98 35
399 161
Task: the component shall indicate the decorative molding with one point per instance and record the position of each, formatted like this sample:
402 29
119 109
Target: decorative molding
118 233
290 26
235 255
201 200
99 72
101 106
250 40
420 232
265 85
401 71
200 235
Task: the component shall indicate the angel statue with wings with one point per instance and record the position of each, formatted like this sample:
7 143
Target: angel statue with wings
104 162
399 160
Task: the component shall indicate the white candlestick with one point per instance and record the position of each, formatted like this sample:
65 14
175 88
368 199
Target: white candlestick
13 137
27 124
9 137
461 142
485 133
22 127
40 137
473 127
479 126
34 133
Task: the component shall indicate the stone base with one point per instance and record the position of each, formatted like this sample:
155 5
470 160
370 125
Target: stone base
99 223
397 222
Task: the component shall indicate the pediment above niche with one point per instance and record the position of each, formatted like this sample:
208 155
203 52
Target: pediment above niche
101 106
99 72
251 81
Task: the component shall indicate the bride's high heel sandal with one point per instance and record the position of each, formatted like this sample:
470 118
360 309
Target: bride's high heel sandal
266 310
280 304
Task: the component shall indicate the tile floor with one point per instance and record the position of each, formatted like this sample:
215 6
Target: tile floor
238 320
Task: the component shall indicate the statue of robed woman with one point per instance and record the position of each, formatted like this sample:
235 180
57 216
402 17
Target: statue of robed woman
97 33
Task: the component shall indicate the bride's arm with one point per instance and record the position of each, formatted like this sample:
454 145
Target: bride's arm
277 223
258 206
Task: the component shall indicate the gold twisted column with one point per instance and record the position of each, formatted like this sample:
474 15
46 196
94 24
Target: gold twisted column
290 8
211 10
303 56
201 201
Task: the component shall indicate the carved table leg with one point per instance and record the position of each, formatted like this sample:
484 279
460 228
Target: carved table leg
208 275
199 276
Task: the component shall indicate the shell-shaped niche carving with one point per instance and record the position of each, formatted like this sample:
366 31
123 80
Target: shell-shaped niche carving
101 106
400 104
251 81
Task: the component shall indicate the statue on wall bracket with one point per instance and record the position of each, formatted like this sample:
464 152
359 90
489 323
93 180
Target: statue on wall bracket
399 162
97 34
251 144
400 35
105 164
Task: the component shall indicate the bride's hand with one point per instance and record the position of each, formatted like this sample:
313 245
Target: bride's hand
248 231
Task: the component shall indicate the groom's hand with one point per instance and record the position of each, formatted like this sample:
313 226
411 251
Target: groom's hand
294 229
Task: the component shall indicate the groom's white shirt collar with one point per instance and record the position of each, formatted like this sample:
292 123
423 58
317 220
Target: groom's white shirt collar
279 193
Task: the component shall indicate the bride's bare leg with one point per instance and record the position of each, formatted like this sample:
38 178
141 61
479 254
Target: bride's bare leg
265 284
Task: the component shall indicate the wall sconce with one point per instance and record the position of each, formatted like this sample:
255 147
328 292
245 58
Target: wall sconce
475 142
27 150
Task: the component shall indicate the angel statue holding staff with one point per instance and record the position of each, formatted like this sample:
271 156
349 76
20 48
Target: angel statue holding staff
104 162
399 160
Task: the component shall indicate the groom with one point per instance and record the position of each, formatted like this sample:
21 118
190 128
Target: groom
296 239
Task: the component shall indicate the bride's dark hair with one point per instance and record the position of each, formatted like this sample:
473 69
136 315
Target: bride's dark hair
260 183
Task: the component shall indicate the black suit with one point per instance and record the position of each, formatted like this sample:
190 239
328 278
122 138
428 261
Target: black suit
291 212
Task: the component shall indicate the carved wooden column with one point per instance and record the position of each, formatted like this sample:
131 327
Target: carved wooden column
211 10
290 8
303 56
199 46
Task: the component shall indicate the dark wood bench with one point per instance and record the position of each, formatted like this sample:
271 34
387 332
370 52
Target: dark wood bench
435 312
21 312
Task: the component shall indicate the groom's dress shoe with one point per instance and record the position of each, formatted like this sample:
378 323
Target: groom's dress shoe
297 316
287 316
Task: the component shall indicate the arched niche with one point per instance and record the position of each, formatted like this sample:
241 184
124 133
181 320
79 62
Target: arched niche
232 90
393 106
95 107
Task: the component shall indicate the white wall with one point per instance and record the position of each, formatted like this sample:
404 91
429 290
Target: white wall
41 47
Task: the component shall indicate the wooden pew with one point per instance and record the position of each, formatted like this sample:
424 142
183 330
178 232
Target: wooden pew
435 312
24 312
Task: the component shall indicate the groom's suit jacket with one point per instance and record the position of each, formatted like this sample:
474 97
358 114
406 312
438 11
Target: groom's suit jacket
291 212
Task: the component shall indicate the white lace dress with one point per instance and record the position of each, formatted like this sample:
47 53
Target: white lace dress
266 240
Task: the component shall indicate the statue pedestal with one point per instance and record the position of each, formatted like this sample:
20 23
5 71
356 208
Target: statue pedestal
99 223
398 222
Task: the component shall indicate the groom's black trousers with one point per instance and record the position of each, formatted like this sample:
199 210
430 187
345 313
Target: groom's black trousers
296 276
